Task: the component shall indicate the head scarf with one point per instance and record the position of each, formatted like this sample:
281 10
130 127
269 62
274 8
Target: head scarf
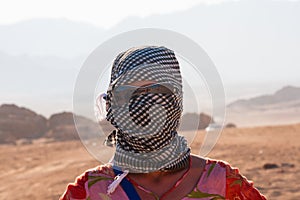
146 137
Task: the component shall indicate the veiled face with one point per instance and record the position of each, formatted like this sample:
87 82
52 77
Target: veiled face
145 92
136 84
144 99
146 119
143 103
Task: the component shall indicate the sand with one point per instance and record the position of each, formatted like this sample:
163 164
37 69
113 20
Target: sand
42 170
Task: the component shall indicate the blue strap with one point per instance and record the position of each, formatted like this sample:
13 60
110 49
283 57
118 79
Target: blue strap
128 187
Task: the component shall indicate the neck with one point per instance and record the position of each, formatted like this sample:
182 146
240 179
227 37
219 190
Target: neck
154 180
157 176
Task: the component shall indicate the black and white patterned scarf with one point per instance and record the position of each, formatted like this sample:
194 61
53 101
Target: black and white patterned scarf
146 136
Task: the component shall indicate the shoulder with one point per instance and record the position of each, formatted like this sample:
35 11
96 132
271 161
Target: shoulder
237 185
212 181
210 165
78 189
219 177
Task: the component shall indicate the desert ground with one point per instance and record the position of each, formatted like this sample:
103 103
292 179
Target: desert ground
42 170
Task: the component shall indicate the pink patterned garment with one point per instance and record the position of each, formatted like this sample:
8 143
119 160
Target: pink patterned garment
218 181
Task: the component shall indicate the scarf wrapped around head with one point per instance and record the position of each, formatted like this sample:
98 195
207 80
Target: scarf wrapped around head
146 125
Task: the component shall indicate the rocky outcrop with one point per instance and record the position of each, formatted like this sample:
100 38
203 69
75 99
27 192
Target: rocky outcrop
62 127
60 119
192 121
20 125
18 122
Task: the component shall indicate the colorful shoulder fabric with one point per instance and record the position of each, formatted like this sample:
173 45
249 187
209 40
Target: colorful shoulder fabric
92 185
221 181
238 187
218 181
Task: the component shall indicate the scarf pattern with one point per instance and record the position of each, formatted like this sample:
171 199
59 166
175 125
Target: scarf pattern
145 137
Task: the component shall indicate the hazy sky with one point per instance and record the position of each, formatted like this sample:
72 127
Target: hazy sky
254 43
98 12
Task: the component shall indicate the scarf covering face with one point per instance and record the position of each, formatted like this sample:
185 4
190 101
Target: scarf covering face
145 137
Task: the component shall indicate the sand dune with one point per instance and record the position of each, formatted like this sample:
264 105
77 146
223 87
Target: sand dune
42 170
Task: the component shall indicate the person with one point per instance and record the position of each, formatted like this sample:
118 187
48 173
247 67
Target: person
151 160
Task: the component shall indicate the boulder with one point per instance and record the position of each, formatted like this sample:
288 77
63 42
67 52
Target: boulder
230 125
192 121
270 166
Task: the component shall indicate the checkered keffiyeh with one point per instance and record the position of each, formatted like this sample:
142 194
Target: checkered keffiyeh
146 138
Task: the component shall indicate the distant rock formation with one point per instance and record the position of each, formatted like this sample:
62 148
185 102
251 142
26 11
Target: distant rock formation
18 122
21 124
60 119
282 107
192 121
288 95
62 127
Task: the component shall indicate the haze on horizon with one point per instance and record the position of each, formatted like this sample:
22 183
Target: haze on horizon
104 14
254 44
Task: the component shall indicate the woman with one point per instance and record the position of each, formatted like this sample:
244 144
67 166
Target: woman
144 104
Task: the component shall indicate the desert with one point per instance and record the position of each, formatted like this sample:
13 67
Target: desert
267 155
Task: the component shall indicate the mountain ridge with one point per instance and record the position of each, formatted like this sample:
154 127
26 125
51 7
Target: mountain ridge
285 94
